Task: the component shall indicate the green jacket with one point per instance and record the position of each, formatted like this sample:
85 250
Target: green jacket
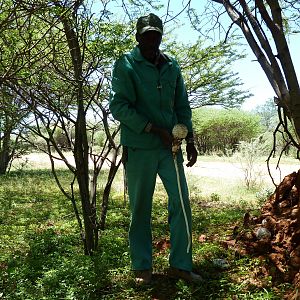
142 93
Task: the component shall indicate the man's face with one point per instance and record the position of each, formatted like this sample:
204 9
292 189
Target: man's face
149 43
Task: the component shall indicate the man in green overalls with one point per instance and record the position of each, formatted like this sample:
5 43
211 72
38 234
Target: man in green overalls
148 98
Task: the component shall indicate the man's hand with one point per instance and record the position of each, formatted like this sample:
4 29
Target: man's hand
191 154
164 135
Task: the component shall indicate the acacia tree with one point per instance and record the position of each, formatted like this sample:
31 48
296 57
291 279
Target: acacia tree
265 26
12 110
59 69
268 114
207 73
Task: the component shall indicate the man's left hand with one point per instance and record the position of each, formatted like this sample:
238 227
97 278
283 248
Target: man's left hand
191 154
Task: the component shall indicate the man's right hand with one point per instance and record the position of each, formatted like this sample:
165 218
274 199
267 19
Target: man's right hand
164 135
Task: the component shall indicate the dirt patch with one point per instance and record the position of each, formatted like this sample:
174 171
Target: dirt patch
214 169
235 171
42 160
275 234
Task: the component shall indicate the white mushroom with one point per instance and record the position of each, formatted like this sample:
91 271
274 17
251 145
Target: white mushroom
180 131
262 233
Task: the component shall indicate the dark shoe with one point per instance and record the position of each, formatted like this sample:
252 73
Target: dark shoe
143 276
187 276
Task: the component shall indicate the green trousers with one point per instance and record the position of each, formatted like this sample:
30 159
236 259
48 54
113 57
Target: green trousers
142 167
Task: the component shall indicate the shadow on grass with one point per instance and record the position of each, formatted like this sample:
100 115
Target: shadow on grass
44 260
163 287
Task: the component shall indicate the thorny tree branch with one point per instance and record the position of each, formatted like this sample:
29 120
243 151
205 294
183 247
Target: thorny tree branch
177 14
289 140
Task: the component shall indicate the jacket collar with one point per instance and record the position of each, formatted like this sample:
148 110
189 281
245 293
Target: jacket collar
137 55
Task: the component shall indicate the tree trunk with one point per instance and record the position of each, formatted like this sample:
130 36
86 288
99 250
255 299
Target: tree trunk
81 160
277 65
291 99
81 147
4 153
111 175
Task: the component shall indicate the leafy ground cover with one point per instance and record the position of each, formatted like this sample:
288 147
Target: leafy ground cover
41 255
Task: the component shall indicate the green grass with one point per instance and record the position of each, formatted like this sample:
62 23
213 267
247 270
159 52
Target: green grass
41 255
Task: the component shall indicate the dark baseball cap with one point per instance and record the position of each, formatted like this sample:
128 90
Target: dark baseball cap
150 22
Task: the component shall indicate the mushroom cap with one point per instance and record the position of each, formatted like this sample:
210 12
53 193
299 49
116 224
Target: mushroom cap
180 131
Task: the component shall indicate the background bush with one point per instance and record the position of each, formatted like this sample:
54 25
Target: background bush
221 130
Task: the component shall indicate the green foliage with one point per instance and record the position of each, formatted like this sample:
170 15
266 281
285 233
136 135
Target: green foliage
248 155
269 119
220 130
208 75
41 256
12 113
268 114
111 40
263 195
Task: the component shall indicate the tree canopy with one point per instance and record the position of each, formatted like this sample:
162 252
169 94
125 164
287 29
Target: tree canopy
221 130
208 75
